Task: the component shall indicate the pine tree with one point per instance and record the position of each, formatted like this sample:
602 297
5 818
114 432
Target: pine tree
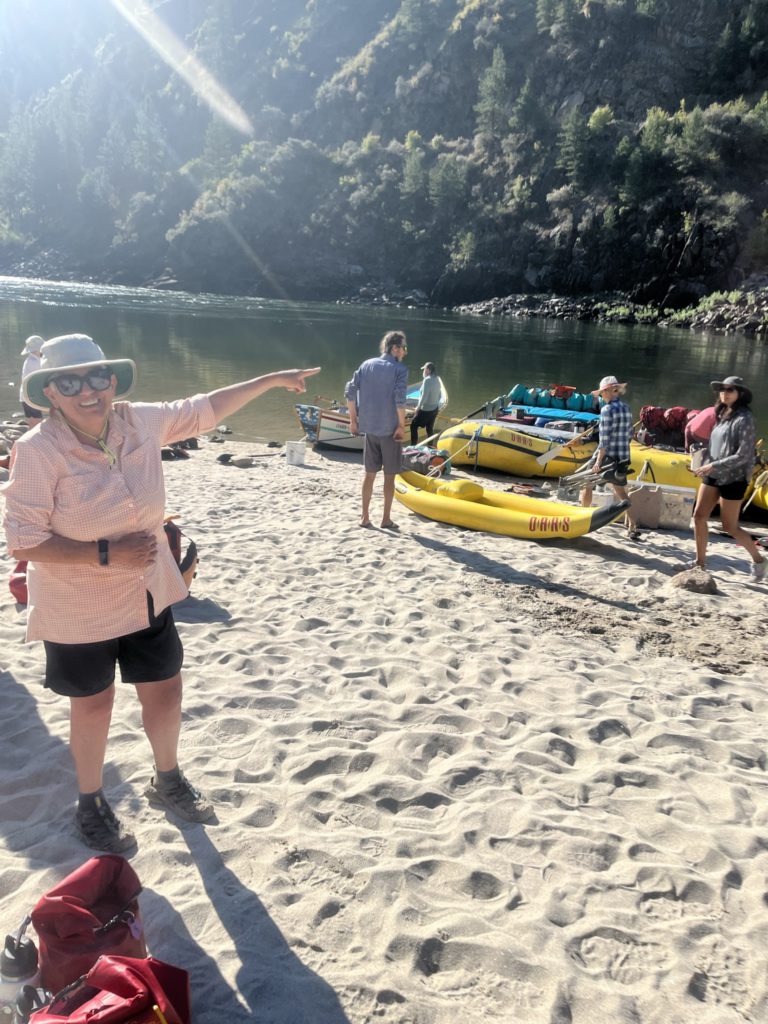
492 95
574 149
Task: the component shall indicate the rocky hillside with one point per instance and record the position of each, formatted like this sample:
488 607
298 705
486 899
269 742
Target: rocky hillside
466 148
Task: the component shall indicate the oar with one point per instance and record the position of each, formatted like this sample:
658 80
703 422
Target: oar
548 456
475 412
459 419
759 481
552 453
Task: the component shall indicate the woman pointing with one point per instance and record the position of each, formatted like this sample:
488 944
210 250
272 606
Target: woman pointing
84 505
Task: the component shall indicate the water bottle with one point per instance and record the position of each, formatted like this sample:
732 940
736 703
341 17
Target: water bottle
18 967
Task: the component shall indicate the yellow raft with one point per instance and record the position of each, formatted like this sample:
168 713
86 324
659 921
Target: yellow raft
494 444
466 503
758 491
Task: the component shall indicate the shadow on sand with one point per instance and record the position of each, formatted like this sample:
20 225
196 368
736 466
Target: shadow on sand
272 982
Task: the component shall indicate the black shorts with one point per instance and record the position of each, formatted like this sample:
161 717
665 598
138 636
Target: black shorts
146 656
734 491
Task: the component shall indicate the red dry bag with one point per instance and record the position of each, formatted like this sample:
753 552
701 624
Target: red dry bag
18 583
93 911
122 990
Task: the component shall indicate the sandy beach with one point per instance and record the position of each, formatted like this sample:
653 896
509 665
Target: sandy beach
458 777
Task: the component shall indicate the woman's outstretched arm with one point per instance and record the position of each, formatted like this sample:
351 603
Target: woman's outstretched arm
226 401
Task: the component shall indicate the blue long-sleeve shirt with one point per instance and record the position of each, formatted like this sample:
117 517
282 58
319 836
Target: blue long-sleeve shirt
378 389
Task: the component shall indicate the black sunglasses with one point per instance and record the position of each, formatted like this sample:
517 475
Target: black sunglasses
729 389
71 384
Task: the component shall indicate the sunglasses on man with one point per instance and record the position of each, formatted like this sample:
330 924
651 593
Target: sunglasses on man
71 384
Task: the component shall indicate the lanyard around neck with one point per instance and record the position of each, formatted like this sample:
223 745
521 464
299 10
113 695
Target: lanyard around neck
100 439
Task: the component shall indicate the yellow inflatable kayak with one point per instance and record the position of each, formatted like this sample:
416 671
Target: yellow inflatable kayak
466 503
494 444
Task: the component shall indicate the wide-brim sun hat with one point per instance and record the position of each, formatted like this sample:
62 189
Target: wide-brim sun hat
71 353
609 382
32 345
733 382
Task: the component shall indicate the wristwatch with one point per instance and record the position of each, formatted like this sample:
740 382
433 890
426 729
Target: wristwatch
103 546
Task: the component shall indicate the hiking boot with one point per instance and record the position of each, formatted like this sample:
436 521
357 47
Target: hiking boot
757 571
181 797
99 828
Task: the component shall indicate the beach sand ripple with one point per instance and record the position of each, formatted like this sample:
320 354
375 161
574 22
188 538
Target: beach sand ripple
458 777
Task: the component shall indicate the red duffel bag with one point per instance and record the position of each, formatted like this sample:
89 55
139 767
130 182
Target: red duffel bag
18 583
122 990
93 911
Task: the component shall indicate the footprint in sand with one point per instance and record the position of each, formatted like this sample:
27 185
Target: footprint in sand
608 729
560 748
619 956
720 979
337 765
670 907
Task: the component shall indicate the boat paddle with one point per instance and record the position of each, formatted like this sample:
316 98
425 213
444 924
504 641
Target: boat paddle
459 419
758 483
552 453
558 449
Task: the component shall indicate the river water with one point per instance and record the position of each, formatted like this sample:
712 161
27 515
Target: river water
184 344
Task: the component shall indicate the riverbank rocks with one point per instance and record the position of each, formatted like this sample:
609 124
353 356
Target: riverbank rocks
381 295
616 308
697 581
744 310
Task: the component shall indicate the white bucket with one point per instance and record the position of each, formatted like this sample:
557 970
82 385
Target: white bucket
294 453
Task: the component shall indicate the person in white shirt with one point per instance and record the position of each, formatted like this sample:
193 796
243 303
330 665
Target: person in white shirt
429 403
31 350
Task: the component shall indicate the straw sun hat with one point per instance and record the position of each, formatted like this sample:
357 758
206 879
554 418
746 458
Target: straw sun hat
71 353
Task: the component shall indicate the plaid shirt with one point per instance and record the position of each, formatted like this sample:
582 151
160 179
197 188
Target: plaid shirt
59 486
615 430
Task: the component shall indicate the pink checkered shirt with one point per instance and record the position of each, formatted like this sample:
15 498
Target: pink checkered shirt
59 486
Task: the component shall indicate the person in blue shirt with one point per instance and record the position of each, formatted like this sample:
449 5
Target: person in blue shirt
376 402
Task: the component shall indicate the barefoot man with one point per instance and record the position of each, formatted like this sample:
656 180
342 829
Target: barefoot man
376 402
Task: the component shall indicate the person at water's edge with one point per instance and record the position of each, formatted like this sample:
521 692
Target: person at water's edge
376 397
725 474
429 403
84 505
613 451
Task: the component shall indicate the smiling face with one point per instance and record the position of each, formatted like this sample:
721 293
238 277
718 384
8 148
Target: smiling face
87 410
